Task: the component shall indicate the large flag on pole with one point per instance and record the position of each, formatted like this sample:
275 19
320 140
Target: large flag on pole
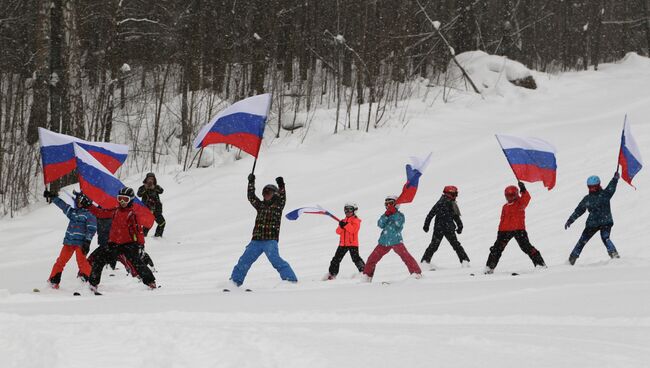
241 125
102 186
318 210
414 171
629 156
531 159
58 155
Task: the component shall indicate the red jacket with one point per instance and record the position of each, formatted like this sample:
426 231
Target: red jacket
350 233
124 228
513 215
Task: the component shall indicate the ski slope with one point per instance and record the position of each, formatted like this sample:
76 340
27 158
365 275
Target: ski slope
595 314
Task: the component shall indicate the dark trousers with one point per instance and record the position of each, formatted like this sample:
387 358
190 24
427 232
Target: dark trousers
521 236
340 254
160 221
130 251
588 233
435 243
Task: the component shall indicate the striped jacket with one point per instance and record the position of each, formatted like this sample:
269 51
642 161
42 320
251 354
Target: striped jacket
82 226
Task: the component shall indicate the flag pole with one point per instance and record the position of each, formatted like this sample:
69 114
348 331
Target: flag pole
254 164
504 153
618 162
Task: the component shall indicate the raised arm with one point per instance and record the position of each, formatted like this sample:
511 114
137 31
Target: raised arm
62 205
252 198
611 187
103 213
282 191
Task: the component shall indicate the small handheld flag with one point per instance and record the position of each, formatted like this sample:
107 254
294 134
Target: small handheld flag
318 210
531 159
102 186
58 154
413 173
629 157
241 125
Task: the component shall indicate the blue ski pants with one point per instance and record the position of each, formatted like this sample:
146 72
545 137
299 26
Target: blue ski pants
253 250
588 233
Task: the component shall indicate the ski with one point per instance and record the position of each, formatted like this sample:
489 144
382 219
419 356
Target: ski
36 290
76 293
246 290
512 274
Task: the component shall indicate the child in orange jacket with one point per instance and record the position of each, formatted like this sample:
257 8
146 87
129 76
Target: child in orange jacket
348 231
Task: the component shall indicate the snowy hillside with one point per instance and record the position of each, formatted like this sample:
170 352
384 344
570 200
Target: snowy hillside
595 314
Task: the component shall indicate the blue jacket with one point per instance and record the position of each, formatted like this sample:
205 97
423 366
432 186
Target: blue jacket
391 233
597 203
82 226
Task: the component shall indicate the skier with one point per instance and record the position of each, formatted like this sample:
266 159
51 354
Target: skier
125 238
150 193
348 231
391 223
447 224
265 233
597 202
513 225
78 235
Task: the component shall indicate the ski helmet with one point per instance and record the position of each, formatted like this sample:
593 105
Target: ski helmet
593 181
270 188
511 193
391 199
450 191
81 199
125 195
351 207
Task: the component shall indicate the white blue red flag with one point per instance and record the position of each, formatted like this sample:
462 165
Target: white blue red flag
102 186
629 156
414 171
531 159
241 125
58 157
318 210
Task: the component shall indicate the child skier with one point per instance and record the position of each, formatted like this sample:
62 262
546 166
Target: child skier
597 202
391 223
447 224
513 225
78 235
348 231
150 193
125 238
265 233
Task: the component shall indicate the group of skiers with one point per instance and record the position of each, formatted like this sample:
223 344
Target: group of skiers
120 237
125 238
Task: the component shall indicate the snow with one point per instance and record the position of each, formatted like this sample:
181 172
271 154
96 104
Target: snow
595 314
491 73
125 68
436 24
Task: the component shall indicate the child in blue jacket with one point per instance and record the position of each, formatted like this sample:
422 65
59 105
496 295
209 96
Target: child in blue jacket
78 235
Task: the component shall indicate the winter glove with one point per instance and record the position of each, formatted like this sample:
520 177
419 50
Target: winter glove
567 225
280 181
342 224
49 195
617 175
390 210
251 178
459 230
425 228
85 248
522 187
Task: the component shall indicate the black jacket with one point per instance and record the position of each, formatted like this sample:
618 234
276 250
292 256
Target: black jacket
447 218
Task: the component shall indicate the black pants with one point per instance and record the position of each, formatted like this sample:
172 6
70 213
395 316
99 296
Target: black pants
338 257
521 236
130 251
435 243
160 221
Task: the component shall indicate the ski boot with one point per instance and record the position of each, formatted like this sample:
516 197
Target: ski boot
572 260
614 255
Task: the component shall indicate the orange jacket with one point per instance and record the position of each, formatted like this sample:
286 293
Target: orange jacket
350 233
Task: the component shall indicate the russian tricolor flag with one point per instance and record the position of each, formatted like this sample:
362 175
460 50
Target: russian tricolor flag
318 210
58 154
102 186
241 125
413 173
629 156
531 159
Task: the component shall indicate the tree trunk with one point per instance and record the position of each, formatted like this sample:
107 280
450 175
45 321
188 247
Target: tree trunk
38 113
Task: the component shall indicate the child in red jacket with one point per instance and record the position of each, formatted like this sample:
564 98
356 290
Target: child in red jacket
348 231
513 225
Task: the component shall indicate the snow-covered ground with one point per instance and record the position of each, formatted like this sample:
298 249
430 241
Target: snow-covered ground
595 314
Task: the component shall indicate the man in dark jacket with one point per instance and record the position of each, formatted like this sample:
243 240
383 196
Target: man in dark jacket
150 193
597 202
447 224
265 233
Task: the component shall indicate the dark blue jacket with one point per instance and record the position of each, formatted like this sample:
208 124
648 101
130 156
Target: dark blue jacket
82 226
597 203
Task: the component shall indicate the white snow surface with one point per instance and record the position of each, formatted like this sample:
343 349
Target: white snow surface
490 73
595 314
